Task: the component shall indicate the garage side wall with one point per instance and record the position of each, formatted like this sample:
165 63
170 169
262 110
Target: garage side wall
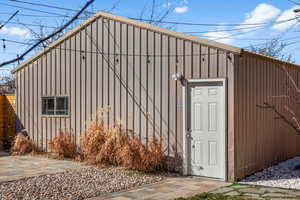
125 69
261 138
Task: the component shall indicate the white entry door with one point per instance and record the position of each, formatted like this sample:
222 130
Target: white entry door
206 129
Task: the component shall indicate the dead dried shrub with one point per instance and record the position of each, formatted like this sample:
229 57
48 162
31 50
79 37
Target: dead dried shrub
92 141
137 156
113 146
64 145
24 145
119 149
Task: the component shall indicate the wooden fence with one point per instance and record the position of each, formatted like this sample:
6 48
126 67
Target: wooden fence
7 119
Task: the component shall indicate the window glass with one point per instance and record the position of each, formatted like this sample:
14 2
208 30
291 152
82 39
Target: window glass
61 106
55 105
50 106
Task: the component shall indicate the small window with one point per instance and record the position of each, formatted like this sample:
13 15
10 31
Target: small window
55 106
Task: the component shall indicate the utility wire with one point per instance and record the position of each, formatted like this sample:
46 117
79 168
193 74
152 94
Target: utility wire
208 24
9 19
294 2
34 10
223 30
17 42
29 15
234 35
149 55
40 16
48 6
49 36
33 25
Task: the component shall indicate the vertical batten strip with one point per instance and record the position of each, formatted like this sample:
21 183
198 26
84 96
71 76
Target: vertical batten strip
133 79
127 81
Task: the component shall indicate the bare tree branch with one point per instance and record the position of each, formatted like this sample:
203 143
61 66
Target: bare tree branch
273 48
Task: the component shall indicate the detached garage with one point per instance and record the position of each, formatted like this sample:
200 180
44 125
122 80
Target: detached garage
201 97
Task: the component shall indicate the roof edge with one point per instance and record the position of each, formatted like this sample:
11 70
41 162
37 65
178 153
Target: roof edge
271 58
132 22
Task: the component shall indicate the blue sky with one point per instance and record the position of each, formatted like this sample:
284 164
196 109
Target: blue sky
194 11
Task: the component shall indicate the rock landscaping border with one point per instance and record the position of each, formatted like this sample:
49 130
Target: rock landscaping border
284 175
75 184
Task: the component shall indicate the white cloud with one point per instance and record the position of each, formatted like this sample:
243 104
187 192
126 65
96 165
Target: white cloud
222 37
261 14
15 31
287 14
182 9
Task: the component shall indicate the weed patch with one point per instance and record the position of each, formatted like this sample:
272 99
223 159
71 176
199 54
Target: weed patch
24 145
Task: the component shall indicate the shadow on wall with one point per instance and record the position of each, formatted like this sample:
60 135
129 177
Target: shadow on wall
9 122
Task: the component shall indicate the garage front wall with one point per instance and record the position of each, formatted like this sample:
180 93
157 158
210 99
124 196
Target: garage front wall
128 69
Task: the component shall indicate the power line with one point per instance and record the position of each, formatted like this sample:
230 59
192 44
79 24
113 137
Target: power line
33 25
34 10
9 19
208 24
223 30
47 6
17 42
294 2
62 8
235 35
219 38
41 16
49 36
125 54
265 43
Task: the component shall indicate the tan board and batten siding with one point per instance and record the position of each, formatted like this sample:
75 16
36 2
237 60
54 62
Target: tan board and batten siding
261 140
125 65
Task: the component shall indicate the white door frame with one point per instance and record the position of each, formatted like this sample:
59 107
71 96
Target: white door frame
186 161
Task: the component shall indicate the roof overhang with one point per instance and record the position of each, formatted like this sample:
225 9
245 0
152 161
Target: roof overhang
134 23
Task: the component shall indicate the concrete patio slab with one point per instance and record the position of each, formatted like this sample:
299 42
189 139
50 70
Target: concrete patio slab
18 167
169 189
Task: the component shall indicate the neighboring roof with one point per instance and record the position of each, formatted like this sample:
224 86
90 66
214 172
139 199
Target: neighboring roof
135 23
149 27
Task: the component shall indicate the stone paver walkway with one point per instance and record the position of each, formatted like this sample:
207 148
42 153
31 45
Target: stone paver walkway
3 153
169 189
17 167
258 192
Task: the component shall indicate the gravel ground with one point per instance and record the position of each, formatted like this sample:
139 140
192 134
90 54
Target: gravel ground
76 184
283 175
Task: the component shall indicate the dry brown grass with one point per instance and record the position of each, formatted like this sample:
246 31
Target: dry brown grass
64 145
24 145
112 146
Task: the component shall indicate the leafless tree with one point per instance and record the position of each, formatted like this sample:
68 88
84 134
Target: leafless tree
156 12
273 48
7 84
42 31
286 106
